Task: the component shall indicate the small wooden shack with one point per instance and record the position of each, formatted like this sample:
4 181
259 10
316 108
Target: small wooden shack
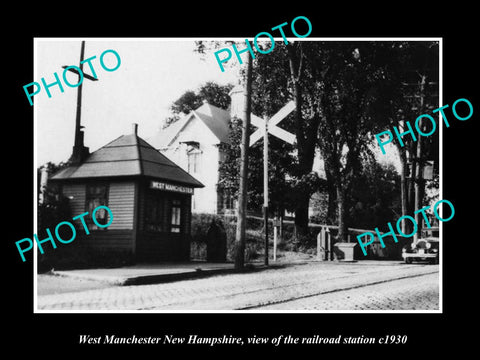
149 196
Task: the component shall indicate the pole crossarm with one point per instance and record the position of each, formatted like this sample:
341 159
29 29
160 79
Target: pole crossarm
86 76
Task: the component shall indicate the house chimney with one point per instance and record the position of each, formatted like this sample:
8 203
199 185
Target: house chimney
237 101
134 128
79 151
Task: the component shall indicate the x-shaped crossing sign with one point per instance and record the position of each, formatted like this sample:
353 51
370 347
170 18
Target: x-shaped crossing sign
265 127
271 125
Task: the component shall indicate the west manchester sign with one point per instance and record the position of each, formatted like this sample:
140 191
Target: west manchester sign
170 187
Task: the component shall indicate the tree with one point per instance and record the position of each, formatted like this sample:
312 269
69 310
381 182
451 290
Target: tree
413 68
187 102
375 196
306 130
54 209
279 78
281 186
347 91
343 92
210 92
215 94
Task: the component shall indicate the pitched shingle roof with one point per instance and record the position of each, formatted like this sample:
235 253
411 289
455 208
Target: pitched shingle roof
216 119
128 155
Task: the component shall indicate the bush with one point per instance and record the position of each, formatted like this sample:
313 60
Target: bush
254 242
200 225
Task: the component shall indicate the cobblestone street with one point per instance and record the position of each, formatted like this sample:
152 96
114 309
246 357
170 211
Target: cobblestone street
312 286
419 293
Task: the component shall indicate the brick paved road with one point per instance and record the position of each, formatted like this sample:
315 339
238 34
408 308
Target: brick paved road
317 285
419 293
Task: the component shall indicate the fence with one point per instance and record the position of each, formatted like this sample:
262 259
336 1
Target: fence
326 239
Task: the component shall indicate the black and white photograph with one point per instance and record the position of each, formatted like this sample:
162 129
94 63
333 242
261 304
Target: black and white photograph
157 200
221 180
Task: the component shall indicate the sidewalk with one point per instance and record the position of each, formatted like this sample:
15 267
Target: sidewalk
147 274
143 274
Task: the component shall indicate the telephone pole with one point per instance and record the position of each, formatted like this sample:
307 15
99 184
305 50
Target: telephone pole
79 151
242 196
265 188
419 182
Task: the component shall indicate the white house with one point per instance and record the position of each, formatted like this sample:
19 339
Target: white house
193 143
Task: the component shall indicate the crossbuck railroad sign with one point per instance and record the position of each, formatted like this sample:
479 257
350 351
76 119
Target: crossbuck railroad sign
266 126
271 125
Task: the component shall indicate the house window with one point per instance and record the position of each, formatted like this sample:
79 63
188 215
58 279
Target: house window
96 195
194 161
176 210
155 208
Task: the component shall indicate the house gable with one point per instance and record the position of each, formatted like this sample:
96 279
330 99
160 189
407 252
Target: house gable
195 130
215 122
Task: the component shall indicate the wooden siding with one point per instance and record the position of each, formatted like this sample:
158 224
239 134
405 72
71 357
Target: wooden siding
118 237
121 200
112 240
124 237
76 193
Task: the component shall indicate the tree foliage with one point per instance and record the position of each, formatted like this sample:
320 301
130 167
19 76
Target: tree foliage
55 207
210 92
415 69
375 196
345 92
280 183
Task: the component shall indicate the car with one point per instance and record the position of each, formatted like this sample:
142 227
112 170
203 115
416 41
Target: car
425 249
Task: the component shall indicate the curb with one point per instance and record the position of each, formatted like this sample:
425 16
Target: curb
197 273
150 279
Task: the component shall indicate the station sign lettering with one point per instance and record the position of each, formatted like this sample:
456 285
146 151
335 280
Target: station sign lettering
170 187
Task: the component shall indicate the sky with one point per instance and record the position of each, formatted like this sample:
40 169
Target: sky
153 73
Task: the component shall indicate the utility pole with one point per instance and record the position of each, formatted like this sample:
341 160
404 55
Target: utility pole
269 126
79 150
265 188
242 196
419 182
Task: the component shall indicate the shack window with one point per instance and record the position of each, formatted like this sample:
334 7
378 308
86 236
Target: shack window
96 195
175 225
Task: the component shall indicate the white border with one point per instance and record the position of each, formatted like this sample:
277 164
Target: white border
35 203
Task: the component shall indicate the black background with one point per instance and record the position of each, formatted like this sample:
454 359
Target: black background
56 335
